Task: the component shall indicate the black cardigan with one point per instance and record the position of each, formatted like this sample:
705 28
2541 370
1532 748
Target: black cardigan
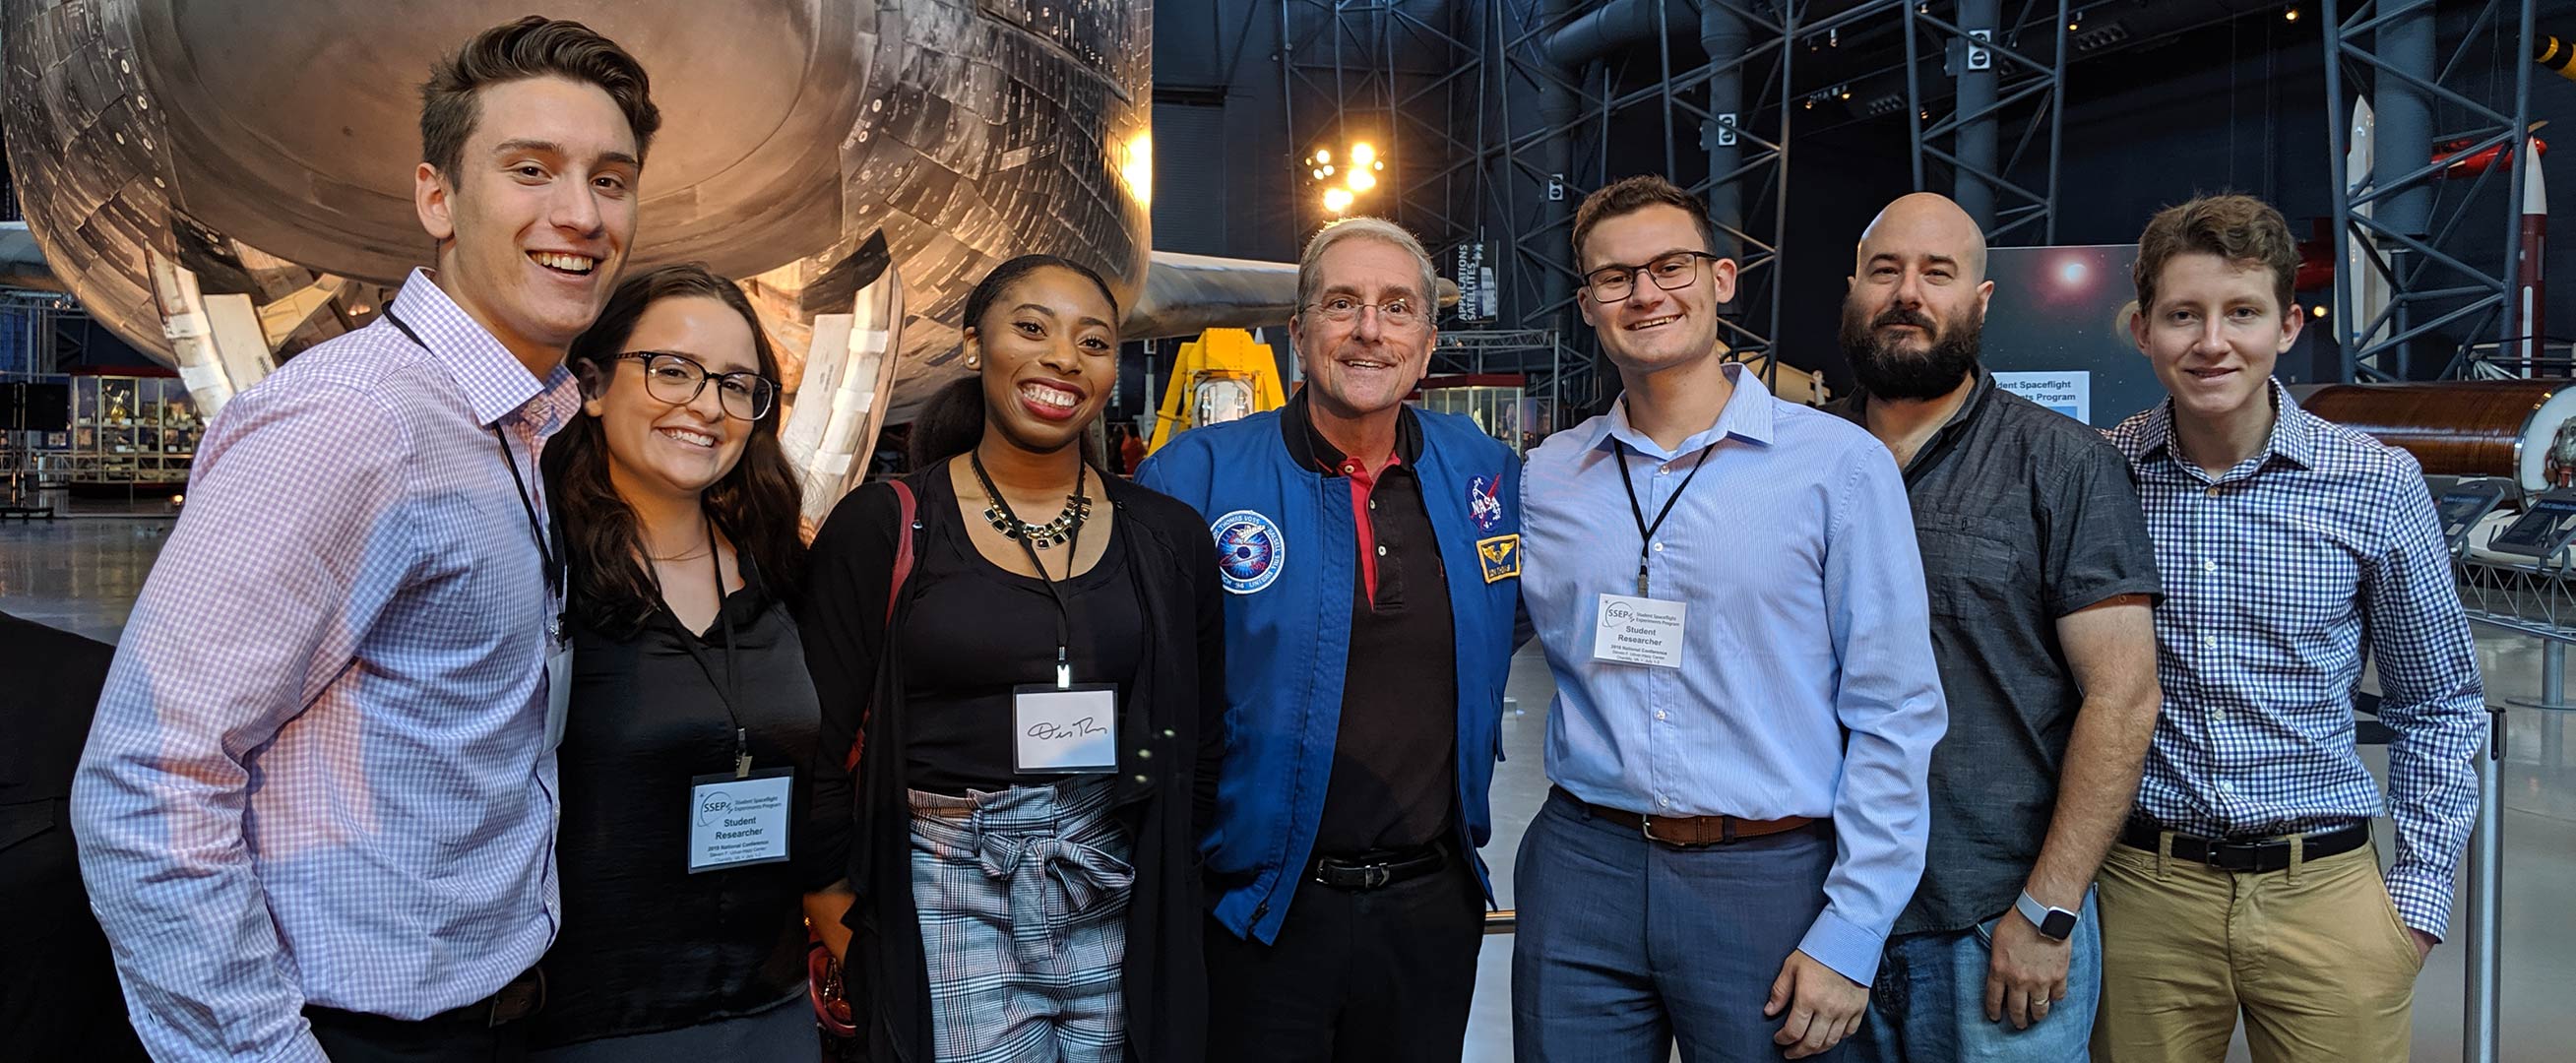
1164 790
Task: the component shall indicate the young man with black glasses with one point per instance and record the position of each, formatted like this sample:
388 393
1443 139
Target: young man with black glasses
1733 607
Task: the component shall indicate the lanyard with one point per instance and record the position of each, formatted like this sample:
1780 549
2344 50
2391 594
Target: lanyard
728 689
1645 531
1073 549
554 566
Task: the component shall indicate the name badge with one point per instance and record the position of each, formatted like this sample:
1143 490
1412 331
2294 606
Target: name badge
1073 730
737 822
1645 631
558 691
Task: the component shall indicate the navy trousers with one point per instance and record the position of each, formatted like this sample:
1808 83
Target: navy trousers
1625 947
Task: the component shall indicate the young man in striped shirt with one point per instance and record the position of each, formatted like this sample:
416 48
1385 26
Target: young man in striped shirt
2245 881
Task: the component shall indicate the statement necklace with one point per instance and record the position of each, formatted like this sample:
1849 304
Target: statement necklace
1077 508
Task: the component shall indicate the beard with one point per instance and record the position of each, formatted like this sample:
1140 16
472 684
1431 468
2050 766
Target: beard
1889 373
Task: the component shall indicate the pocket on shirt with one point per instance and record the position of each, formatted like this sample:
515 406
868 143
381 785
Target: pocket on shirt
1970 567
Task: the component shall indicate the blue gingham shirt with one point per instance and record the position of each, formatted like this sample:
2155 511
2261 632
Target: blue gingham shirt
1807 686
319 773
2276 574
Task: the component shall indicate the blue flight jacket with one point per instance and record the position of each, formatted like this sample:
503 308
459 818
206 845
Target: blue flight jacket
1287 551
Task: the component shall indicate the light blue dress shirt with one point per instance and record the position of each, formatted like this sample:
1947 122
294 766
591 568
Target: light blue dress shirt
1807 686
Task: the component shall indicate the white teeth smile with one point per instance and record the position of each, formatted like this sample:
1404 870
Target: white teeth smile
1655 322
564 262
1050 396
1366 365
692 438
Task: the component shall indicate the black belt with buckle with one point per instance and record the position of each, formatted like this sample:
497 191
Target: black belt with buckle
1376 869
2260 854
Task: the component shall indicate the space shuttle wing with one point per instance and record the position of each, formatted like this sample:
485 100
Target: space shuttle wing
1186 293
22 263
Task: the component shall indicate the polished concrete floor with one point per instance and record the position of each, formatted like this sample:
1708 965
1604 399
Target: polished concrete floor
82 574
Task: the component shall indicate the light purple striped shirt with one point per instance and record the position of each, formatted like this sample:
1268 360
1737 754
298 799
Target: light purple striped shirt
319 772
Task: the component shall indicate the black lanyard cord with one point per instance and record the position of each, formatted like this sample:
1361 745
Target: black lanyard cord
1073 550
1645 531
728 689
554 566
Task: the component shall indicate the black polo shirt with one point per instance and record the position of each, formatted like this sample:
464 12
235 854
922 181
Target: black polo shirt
2024 515
1395 769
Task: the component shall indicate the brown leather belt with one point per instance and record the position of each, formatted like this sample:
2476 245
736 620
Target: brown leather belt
1686 831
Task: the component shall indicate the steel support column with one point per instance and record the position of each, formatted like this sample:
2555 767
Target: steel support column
2425 228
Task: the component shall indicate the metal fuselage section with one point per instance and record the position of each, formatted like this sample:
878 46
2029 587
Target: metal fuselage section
265 145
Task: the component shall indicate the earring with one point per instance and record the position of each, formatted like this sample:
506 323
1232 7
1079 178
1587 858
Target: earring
973 362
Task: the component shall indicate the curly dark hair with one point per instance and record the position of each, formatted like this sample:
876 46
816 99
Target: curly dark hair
754 504
534 46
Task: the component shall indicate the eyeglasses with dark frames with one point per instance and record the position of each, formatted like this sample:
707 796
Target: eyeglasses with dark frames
1609 284
676 378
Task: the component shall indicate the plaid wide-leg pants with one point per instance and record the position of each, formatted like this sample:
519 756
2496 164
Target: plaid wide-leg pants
1022 896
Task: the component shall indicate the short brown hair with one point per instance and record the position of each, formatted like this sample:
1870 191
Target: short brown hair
1629 195
2240 229
532 47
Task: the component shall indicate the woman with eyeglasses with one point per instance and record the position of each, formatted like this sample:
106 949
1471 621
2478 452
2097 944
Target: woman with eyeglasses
685 747
1020 666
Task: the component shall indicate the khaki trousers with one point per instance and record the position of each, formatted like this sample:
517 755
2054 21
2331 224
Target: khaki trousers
2313 956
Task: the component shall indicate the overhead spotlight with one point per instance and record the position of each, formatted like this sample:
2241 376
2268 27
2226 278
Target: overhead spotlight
2291 15
1362 180
1378 165
2318 311
1328 171
1846 94
1319 173
1323 155
1362 153
1337 200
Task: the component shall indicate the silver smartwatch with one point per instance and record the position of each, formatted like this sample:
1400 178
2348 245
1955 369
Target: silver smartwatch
2055 924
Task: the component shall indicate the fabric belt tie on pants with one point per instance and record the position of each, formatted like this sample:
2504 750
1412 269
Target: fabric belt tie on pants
1038 842
1051 881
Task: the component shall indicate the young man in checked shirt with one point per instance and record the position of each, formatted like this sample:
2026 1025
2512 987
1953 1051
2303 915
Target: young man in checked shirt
2245 881
317 809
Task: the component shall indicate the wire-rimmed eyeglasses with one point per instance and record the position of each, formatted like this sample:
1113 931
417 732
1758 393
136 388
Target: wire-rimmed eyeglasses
1393 313
676 378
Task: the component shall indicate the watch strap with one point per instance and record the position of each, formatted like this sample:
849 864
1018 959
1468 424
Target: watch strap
2040 915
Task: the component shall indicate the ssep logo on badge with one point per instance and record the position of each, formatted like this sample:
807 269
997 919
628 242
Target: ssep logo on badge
1250 550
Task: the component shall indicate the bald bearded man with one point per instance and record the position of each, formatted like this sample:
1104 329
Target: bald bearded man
2041 579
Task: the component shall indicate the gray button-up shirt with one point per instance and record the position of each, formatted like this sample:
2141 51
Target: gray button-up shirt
2024 515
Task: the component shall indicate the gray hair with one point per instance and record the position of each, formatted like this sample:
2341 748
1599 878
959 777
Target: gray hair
1365 227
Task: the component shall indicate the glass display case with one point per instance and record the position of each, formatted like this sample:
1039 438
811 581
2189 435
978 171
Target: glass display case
131 434
1497 403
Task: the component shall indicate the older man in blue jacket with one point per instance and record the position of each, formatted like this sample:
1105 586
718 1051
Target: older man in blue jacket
1372 557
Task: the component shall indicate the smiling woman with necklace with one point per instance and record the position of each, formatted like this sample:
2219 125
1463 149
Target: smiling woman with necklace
1019 664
